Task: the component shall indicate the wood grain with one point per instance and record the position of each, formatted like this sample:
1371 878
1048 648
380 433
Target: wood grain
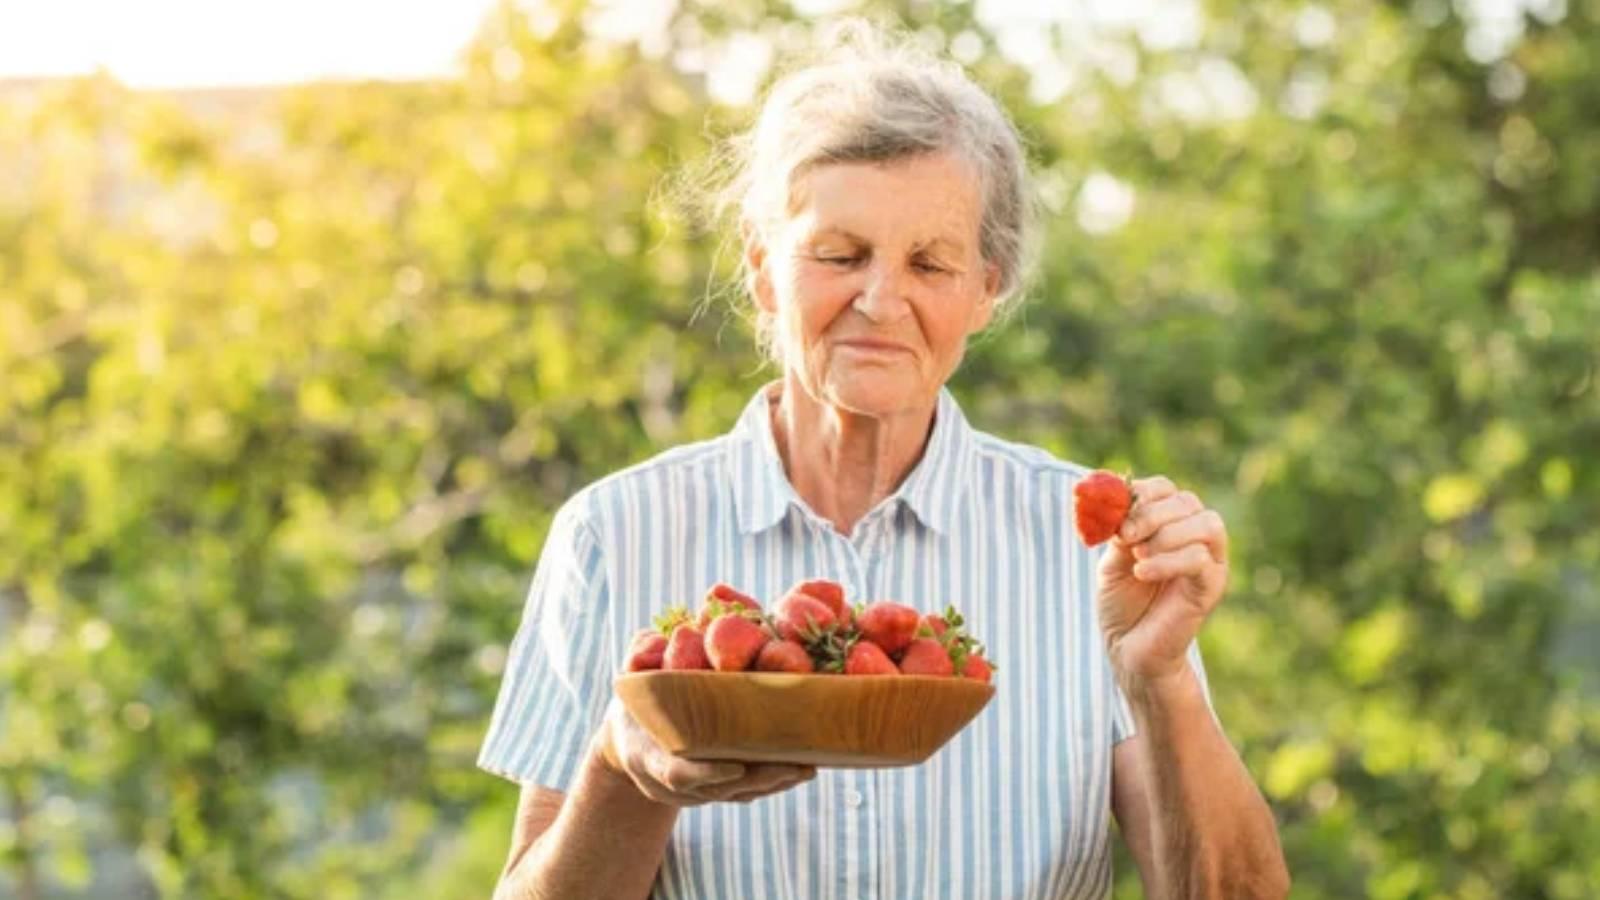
824 720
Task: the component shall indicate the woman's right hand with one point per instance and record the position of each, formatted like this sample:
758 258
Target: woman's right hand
666 778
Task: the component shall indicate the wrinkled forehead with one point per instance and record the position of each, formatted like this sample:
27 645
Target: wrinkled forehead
922 198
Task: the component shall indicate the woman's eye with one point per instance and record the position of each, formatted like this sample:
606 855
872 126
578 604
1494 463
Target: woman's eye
925 266
838 260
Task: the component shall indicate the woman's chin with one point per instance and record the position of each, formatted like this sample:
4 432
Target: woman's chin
873 393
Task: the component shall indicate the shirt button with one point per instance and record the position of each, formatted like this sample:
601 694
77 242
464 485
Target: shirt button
852 798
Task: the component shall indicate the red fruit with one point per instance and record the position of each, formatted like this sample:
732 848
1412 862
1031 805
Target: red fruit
867 658
801 616
647 651
720 600
829 592
888 624
729 594
686 650
936 626
977 668
783 656
926 656
1101 501
732 643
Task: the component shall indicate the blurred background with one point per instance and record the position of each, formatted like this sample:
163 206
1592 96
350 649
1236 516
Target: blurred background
311 315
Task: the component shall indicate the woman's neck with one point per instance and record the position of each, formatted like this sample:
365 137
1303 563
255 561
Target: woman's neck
841 463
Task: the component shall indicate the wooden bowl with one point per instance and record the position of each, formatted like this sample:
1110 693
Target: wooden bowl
851 721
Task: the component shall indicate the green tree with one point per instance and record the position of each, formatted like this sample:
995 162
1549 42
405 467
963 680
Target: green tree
291 382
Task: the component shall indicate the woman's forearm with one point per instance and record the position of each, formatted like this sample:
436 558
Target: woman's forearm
607 841
1213 834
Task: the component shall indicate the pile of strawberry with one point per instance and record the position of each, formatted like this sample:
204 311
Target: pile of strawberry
809 629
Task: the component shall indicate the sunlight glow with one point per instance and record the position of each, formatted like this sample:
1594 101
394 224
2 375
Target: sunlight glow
194 43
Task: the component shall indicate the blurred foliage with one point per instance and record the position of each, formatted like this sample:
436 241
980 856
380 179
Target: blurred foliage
291 382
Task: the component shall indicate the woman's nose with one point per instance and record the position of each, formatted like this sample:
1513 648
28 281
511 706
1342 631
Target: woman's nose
883 297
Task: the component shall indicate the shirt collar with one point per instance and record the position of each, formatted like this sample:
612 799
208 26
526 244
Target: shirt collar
933 491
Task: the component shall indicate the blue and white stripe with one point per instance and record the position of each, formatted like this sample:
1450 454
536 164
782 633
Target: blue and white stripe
1017 805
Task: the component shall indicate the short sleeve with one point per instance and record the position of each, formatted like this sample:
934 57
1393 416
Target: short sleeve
1122 726
557 676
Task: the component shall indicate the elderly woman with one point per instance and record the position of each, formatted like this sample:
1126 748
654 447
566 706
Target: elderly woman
881 198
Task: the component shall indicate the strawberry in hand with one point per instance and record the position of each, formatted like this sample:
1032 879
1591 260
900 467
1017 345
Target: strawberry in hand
1100 503
1164 573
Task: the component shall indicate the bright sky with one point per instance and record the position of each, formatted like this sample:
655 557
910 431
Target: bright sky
190 43
195 43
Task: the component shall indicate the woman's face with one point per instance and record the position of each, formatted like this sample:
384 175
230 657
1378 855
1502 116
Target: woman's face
876 281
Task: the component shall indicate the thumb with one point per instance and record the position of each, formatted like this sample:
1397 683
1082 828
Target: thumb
1117 559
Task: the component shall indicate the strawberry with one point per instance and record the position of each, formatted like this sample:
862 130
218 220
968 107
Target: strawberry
977 668
802 617
646 652
686 649
720 600
926 656
1101 501
888 624
829 592
732 642
950 631
783 656
867 658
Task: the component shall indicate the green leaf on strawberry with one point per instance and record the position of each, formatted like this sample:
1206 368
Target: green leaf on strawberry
671 618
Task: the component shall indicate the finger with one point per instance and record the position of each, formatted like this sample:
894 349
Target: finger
765 777
1156 487
1205 527
779 779
659 775
1191 559
686 776
1116 565
1145 518
656 792
641 770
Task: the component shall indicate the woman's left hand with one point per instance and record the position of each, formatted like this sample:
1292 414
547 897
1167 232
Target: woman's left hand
1164 573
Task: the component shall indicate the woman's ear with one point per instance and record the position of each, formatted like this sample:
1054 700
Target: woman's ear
758 277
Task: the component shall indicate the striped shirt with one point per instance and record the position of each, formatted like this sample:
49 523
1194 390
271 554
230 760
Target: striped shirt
1016 805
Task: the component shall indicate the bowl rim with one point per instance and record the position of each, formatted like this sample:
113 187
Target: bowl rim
779 678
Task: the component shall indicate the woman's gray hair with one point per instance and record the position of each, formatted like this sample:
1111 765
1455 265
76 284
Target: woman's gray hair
870 97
